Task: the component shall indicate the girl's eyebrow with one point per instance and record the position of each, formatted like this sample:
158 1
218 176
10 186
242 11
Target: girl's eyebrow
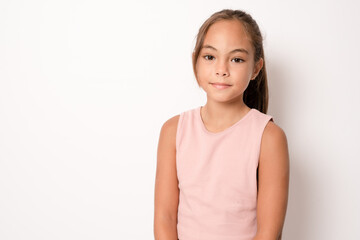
233 51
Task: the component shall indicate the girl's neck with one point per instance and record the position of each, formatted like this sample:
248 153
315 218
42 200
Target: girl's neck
222 115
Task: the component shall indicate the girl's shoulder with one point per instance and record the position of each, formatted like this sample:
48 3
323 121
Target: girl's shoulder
173 121
272 131
273 134
260 114
170 125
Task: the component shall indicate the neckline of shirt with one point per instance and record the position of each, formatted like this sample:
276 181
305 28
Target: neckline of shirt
198 113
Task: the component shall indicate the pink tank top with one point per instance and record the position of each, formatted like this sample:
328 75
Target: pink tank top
217 174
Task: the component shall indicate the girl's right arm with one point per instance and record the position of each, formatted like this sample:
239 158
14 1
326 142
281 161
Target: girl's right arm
166 183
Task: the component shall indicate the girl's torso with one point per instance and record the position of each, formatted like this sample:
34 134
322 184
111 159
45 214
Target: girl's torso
217 177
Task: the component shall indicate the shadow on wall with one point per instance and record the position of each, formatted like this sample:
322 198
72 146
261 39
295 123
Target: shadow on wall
297 225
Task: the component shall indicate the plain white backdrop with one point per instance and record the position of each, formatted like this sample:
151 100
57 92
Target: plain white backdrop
85 87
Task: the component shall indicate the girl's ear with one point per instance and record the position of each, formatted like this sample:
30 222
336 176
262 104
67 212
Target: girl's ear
258 67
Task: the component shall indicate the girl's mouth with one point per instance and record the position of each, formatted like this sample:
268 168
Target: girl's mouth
220 85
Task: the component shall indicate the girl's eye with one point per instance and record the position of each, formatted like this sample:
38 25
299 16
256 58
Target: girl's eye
208 56
238 60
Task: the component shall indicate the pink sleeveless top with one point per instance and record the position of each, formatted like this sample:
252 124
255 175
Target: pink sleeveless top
217 177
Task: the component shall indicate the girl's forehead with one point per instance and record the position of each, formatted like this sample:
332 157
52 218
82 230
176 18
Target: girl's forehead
227 34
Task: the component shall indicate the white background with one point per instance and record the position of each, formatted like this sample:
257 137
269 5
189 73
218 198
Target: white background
85 87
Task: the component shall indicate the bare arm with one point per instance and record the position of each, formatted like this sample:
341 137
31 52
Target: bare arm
166 184
273 183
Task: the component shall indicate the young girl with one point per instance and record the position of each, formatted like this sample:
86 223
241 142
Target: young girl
223 168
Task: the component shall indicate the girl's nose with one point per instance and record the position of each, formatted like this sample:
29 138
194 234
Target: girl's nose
222 70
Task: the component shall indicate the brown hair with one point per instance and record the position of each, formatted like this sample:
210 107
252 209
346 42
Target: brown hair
256 94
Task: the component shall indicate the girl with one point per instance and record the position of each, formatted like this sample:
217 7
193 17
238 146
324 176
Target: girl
223 168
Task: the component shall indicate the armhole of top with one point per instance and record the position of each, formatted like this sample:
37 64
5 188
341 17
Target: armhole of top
269 118
178 132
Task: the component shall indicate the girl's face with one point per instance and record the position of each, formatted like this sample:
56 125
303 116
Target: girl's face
227 57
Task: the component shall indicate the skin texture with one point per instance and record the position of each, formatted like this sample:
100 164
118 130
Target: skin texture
223 108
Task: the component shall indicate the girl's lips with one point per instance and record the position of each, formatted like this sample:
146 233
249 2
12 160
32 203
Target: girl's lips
220 85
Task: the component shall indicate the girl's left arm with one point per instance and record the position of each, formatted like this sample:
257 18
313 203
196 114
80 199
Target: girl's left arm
273 185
